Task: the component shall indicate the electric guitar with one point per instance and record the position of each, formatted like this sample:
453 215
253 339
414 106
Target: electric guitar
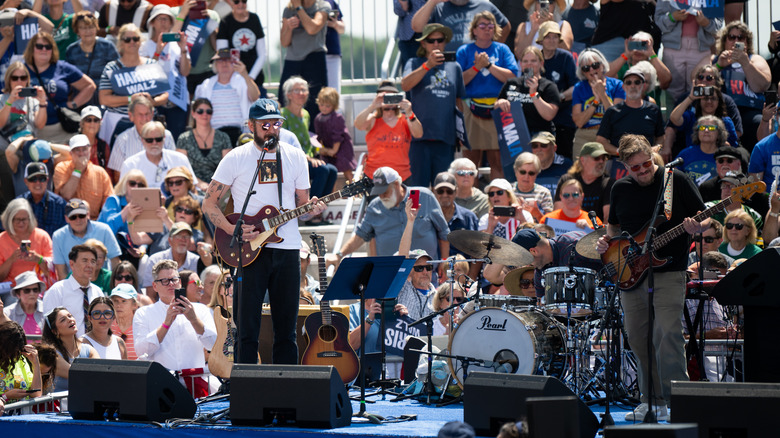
328 331
627 269
268 219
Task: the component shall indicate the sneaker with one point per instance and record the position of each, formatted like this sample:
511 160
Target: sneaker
661 413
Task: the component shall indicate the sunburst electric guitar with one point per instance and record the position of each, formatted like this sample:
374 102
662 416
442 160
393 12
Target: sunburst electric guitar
328 330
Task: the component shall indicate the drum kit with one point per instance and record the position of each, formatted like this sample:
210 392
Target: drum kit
559 335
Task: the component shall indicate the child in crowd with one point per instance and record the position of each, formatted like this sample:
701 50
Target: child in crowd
332 133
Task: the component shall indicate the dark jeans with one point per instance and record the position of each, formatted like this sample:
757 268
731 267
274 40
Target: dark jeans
315 71
408 50
278 271
175 120
322 178
427 158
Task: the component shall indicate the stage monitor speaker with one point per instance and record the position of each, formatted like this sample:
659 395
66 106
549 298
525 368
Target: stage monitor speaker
492 399
126 390
288 395
682 430
722 409
557 417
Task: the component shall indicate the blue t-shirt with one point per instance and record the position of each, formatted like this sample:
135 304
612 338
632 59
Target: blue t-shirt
103 53
485 84
56 82
766 158
697 164
583 95
64 240
372 336
548 178
439 89
458 18
583 22
562 70
332 37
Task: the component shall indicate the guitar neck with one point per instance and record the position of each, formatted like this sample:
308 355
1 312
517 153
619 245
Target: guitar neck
300 211
677 231
324 305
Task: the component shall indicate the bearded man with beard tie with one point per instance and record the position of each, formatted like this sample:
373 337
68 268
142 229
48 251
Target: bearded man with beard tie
277 269
385 220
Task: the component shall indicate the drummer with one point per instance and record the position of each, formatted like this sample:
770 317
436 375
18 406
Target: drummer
547 253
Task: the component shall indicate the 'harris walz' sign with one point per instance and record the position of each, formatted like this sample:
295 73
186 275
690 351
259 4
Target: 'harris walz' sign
710 8
24 32
149 78
513 136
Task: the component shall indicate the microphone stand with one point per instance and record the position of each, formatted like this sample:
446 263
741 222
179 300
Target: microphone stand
237 238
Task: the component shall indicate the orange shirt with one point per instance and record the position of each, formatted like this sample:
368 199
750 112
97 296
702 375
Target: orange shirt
40 242
389 146
94 186
558 214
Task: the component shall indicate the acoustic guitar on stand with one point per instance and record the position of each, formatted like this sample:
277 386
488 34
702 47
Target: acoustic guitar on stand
268 219
327 330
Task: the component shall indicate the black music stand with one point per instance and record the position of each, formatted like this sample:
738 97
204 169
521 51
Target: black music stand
368 277
754 286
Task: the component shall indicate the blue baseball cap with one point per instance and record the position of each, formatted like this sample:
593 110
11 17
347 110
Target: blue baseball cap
263 109
527 238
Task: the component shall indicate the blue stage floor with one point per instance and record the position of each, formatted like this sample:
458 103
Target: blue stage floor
429 420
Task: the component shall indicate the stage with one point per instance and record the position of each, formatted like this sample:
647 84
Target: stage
427 423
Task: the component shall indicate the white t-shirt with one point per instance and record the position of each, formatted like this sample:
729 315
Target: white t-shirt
236 171
155 173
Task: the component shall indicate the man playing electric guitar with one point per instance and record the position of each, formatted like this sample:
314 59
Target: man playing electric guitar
633 201
277 267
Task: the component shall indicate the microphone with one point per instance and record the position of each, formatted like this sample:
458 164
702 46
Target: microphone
467 284
635 248
270 143
678 162
592 216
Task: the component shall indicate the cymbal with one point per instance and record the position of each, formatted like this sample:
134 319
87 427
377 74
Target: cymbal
586 246
476 243
512 279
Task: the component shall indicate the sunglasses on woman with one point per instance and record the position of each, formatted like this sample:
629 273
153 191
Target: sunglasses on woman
740 37
526 284
459 300
134 39
421 268
489 26
466 172
707 128
15 78
124 277
646 164
526 172
497 192
184 210
434 40
574 195
731 225
43 46
135 184
708 78
707 239
174 182
594 66
208 111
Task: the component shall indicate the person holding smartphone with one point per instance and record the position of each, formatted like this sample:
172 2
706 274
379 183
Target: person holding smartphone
640 48
506 213
19 366
20 103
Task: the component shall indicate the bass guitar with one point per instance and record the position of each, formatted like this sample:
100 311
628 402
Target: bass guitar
268 219
328 331
627 267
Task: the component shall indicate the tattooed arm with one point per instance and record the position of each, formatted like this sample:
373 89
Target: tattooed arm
211 209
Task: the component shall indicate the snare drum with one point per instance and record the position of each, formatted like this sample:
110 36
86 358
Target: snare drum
575 286
514 303
528 342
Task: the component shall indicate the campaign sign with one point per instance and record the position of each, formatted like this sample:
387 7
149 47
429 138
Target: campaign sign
149 78
198 32
24 33
397 329
513 136
179 95
562 227
460 129
710 8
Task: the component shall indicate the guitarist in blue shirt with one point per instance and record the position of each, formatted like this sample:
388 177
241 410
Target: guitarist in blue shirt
633 201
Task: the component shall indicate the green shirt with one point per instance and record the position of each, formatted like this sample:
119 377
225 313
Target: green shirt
64 35
300 127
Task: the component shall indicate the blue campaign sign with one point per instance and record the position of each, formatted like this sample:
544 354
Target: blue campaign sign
198 32
710 8
513 136
397 329
150 78
24 33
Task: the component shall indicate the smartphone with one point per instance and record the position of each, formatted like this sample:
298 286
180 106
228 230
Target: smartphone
235 55
414 195
739 46
25 246
770 97
392 98
198 11
701 91
504 211
637 45
180 293
544 5
333 14
776 25
449 56
28 92
169 37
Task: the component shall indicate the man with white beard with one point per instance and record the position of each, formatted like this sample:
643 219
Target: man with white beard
179 239
386 218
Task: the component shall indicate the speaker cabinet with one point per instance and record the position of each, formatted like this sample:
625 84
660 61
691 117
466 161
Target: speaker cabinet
126 390
556 417
682 430
492 399
288 395
733 410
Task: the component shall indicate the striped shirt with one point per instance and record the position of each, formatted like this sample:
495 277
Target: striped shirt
227 111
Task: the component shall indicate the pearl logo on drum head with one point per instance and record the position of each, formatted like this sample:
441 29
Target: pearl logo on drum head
487 324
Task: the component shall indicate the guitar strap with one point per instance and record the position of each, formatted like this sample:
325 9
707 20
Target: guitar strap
279 173
668 180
